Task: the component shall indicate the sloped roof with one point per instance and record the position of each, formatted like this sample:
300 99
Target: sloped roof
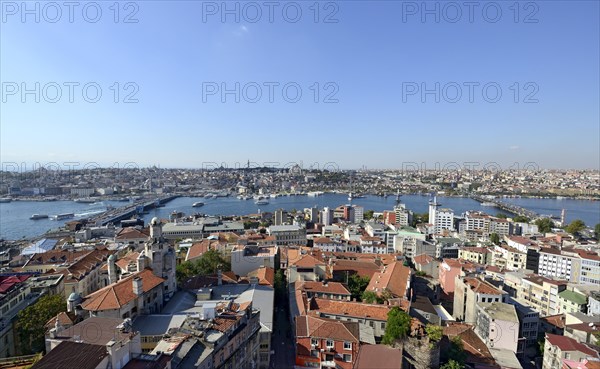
565 343
310 326
73 355
120 293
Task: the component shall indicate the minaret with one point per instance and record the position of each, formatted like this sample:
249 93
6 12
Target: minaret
562 217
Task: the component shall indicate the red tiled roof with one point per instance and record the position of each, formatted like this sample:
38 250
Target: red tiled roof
565 343
423 259
314 327
394 278
130 233
347 308
479 286
323 287
7 282
120 293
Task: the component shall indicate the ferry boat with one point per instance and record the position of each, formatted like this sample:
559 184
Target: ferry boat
197 204
5 199
63 216
38 216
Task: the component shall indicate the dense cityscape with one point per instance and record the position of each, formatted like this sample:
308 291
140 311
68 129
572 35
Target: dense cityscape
289 184
334 287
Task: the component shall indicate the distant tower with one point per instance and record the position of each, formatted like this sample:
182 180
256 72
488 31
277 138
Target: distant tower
112 269
433 207
562 217
141 262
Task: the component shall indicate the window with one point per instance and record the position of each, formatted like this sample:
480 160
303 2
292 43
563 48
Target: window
347 358
329 343
314 353
347 346
314 341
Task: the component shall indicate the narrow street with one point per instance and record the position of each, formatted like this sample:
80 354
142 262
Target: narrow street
282 340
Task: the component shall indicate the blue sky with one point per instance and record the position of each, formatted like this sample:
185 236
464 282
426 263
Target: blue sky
373 53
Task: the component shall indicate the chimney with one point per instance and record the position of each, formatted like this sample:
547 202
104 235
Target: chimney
219 277
137 286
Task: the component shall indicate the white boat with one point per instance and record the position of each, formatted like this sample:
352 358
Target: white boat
38 216
197 204
488 204
62 216
262 202
5 199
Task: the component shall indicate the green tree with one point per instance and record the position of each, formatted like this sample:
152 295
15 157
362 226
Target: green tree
31 321
495 238
544 225
452 365
279 283
368 214
501 215
521 219
209 263
597 231
456 352
575 226
397 326
357 284
369 297
435 334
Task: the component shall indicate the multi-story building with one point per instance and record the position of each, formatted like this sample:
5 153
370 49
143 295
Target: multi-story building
479 255
327 244
541 293
326 216
15 295
359 214
559 264
560 348
325 343
447 247
590 268
497 324
468 292
593 307
288 234
248 258
571 302
441 218
139 293
529 321
394 278
509 258
450 269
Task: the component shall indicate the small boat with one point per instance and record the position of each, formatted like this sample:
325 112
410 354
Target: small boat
262 202
63 216
85 201
5 199
38 216
197 204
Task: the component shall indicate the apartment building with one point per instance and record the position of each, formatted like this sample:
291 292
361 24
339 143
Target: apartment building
479 255
497 324
288 234
560 348
450 269
139 293
509 258
325 343
541 293
468 292
561 264
571 302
